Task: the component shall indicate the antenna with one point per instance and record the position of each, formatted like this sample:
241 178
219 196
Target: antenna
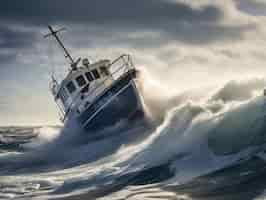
53 33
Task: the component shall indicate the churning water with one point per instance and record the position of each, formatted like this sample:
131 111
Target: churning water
201 145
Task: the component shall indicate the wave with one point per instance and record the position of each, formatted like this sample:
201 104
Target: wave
194 133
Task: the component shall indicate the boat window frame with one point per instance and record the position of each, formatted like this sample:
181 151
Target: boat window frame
95 74
77 79
71 91
89 77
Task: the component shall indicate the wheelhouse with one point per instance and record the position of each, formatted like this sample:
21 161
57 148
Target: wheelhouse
80 82
83 85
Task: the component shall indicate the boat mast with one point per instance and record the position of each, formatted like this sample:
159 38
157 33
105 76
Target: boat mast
73 64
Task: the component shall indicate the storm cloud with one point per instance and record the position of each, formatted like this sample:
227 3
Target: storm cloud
126 12
15 38
116 20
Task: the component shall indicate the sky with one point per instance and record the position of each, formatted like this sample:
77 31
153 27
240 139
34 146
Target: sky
181 43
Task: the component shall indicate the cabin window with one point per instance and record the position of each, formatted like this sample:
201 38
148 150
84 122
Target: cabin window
89 76
104 71
71 87
95 73
81 81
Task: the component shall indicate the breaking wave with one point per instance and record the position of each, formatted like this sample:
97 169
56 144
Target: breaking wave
193 134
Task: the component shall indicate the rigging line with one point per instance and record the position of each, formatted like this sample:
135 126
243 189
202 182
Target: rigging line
50 54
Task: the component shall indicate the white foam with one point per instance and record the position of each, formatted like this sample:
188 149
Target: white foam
45 135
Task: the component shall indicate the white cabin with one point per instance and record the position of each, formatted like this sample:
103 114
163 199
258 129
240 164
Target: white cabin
87 81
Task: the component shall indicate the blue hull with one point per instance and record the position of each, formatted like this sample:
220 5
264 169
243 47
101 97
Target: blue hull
120 102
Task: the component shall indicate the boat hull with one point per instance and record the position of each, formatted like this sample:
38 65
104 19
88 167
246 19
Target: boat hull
121 102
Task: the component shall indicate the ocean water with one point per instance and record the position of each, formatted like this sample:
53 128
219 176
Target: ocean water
201 144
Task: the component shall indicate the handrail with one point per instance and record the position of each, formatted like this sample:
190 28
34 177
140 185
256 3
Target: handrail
123 55
127 64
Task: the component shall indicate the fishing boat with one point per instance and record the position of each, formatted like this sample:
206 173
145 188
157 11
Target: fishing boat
96 95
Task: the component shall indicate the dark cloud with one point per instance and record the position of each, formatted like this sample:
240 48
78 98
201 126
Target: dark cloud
101 11
14 42
115 19
15 38
101 23
156 35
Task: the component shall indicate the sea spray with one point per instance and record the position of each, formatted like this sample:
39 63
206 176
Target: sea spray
175 151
